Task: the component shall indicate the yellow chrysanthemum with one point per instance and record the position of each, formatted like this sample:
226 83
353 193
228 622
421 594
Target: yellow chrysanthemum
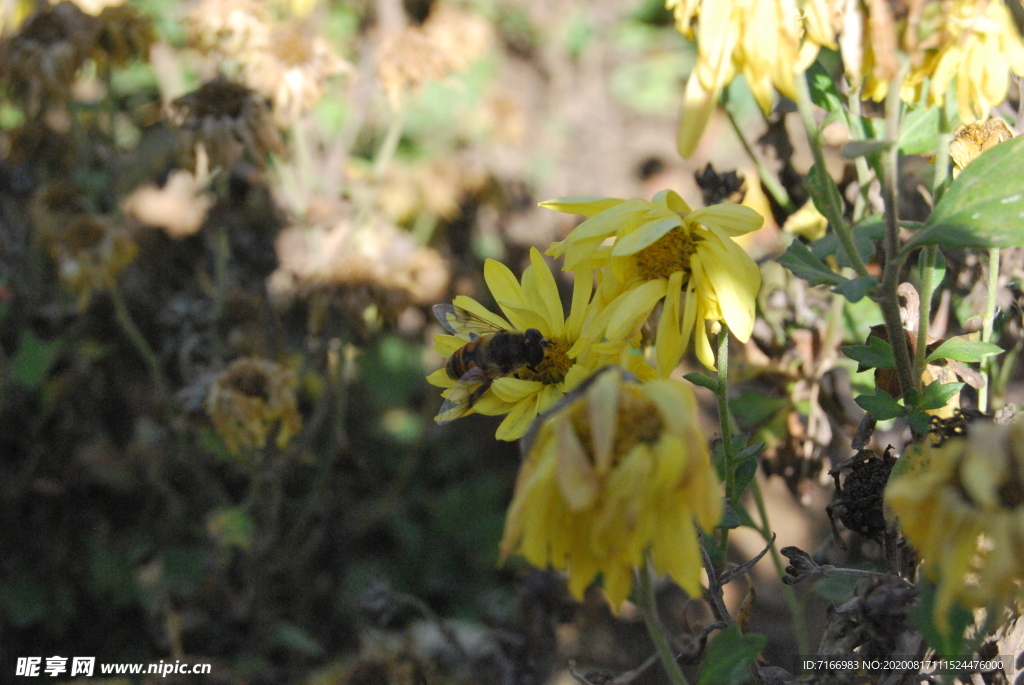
620 472
762 39
962 507
663 251
532 303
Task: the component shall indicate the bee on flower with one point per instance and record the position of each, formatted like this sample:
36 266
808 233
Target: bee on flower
662 252
520 366
961 504
616 473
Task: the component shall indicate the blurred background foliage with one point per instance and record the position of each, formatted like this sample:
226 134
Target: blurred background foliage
222 225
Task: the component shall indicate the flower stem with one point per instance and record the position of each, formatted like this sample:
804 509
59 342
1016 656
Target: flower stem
768 179
827 204
924 313
127 323
648 605
886 292
725 421
987 366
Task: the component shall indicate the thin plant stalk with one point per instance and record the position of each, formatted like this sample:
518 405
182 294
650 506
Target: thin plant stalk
987 367
924 312
832 211
725 422
647 603
768 179
138 341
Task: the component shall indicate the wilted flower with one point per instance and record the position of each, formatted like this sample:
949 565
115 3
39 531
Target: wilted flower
961 505
90 253
229 121
446 42
249 399
533 303
663 250
291 68
227 26
126 35
41 61
618 473
759 38
179 207
970 140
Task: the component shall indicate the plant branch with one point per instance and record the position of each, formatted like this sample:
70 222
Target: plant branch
725 421
768 179
648 606
986 327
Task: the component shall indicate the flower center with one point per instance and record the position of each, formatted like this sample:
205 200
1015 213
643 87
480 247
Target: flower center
638 421
555 365
669 254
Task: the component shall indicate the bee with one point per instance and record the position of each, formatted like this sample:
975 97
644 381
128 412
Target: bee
492 352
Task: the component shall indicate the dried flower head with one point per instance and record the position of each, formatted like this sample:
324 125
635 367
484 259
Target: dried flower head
40 62
90 252
250 399
291 68
961 505
229 121
970 140
126 35
227 27
618 473
179 207
448 41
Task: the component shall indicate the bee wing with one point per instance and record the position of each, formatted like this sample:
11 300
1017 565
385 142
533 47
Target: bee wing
457 320
463 395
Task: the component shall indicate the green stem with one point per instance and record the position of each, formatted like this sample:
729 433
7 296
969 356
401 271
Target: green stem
856 130
768 179
924 315
829 206
886 292
127 323
986 326
648 606
725 421
795 606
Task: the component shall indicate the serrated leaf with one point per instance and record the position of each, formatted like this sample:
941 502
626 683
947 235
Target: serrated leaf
877 354
919 132
881 405
798 259
984 206
33 359
703 381
855 289
963 350
863 148
937 395
729 656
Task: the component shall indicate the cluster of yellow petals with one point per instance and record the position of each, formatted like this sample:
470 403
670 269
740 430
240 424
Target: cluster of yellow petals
621 472
662 252
962 507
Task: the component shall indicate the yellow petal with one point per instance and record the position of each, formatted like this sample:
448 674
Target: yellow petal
630 310
515 389
518 420
669 343
735 279
732 220
471 305
671 200
645 235
547 293
441 379
586 206
577 482
582 285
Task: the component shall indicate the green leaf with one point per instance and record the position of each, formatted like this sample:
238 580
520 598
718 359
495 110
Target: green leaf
823 89
33 360
823 190
950 642
964 350
703 381
854 290
920 423
798 259
294 639
863 148
936 395
745 472
865 232
881 405
919 132
877 354
729 656
984 206
730 519
938 269
837 588
749 452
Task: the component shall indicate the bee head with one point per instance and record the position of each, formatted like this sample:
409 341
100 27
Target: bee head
535 344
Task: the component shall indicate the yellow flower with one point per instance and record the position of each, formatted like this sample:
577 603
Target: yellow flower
962 507
970 140
533 303
759 38
620 472
663 250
